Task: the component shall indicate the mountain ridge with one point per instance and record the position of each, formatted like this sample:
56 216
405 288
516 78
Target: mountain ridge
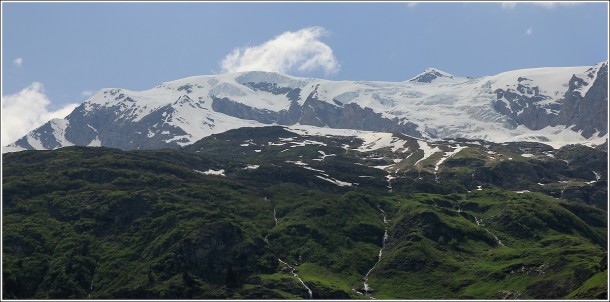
555 105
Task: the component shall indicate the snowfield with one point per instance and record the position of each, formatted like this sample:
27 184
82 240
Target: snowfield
445 107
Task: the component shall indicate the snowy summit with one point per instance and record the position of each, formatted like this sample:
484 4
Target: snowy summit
555 105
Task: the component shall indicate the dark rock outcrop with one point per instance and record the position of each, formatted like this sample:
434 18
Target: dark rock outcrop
319 113
585 113
579 112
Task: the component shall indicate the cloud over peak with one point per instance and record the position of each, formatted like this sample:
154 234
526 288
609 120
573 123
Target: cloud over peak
27 109
301 50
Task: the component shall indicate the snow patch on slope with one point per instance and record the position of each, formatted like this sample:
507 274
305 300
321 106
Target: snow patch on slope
220 172
12 148
96 142
428 151
448 155
335 181
378 140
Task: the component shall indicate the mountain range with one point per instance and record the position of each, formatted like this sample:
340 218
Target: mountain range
257 185
556 105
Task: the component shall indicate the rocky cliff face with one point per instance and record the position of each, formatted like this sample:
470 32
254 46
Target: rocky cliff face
522 105
585 113
318 113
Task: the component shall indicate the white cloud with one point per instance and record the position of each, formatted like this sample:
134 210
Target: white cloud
411 4
529 31
551 5
87 93
26 110
18 62
301 50
546 4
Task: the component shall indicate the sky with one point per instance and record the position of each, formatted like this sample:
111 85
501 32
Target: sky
56 55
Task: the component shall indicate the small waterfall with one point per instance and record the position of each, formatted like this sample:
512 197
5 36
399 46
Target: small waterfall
274 218
292 270
496 237
91 284
479 222
385 218
365 286
309 292
389 178
90 289
366 289
274 213
385 240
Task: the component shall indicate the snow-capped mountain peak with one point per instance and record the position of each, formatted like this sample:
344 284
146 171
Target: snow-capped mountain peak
436 76
558 105
438 72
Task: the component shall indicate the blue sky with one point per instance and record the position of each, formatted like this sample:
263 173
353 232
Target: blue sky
62 52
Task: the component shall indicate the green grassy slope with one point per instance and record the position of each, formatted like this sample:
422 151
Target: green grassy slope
102 223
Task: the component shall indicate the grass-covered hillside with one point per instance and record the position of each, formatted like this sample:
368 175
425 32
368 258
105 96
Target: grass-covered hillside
270 214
